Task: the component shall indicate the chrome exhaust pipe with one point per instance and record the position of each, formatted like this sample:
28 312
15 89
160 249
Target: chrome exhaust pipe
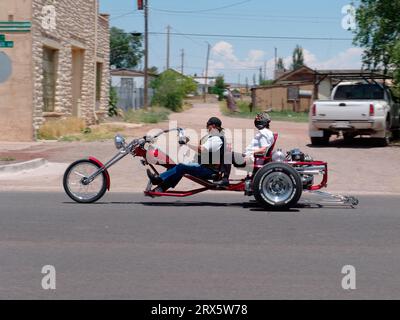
311 170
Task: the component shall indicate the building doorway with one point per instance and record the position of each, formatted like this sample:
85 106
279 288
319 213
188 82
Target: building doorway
77 76
99 84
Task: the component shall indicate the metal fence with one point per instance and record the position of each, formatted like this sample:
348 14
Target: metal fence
130 97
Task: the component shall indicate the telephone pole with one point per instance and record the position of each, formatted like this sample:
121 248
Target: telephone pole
276 63
182 60
206 75
265 70
146 54
168 45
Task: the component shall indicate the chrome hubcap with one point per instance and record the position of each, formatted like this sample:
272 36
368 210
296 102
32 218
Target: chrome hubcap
277 187
78 181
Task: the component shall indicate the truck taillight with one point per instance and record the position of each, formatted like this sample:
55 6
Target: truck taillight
314 110
371 110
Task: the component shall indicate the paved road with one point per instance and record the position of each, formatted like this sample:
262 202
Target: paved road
205 247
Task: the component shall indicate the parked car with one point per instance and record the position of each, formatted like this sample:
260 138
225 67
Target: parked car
355 109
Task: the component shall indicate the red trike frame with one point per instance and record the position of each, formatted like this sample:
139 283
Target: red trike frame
235 185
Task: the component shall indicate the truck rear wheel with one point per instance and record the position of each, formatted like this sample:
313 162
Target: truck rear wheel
320 141
384 142
277 186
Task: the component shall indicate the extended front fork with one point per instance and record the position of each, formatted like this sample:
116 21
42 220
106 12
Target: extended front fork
104 168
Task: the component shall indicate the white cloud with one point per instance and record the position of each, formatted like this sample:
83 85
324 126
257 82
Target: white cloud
348 59
224 50
224 59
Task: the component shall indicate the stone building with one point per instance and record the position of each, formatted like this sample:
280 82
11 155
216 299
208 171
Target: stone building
60 64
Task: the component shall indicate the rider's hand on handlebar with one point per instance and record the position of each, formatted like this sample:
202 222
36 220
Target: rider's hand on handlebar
183 140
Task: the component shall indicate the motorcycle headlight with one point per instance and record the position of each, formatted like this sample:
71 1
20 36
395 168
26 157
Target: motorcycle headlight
119 141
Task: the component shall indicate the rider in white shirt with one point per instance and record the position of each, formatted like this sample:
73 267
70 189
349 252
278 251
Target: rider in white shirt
264 138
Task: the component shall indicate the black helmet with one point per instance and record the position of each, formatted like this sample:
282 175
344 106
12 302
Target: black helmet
214 121
262 121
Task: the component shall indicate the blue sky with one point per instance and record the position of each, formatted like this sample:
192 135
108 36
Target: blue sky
241 58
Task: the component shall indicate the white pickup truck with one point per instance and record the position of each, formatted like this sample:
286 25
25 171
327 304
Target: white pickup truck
355 109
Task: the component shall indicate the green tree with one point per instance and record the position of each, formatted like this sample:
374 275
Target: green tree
153 70
280 65
378 32
126 49
298 58
219 87
170 88
266 82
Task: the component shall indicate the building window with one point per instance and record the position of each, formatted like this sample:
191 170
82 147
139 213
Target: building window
49 78
99 83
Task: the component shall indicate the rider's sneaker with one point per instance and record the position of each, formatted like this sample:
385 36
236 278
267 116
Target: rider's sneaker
223 183
159 190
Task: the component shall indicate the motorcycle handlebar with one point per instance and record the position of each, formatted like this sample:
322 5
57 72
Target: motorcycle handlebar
150 139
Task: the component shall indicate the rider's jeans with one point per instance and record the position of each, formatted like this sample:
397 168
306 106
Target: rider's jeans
172 177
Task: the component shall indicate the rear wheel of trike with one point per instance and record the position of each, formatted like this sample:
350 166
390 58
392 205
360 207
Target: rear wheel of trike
77 188
277 186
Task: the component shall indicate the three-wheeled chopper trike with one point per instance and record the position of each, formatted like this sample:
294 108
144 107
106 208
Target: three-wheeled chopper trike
276 179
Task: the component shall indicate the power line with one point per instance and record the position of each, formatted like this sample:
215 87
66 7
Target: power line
191 39
203 10
274 19
255 36
125 15
252 15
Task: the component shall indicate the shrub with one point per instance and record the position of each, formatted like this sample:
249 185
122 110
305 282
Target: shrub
155 115
112 103
53 130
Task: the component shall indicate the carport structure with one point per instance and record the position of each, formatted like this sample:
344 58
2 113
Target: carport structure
337 76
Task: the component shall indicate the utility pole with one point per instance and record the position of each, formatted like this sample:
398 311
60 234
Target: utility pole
206 75
146 54
168 45
276 63
182 60
265 70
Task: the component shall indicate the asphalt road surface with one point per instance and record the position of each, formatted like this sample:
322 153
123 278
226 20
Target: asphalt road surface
212 246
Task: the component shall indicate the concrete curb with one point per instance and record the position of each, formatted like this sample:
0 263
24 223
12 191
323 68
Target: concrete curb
16 167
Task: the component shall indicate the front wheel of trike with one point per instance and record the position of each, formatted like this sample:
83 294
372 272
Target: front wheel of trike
277 186
78 188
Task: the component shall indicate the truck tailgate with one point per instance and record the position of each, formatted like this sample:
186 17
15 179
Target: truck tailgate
342 110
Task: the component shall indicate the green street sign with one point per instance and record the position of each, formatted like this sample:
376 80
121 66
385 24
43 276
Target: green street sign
6 44
2 37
